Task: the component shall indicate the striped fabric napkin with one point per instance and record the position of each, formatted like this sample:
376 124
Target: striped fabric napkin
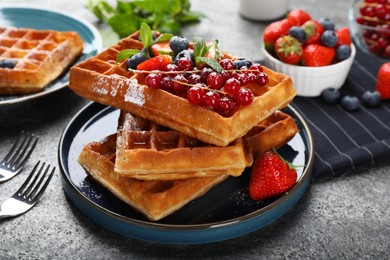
349 141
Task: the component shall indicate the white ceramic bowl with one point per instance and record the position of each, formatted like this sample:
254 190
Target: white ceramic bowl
311 81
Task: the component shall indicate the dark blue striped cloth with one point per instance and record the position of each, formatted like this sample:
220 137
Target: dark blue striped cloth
349 141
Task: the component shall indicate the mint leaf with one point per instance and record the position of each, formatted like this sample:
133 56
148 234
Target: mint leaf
146 35
163 38
200 48
214 64
125 54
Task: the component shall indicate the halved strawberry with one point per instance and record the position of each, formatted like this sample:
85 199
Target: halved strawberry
313 31
273 31
162 47
298 17
315 55
271 176
156 63
343 36
288 49
383 81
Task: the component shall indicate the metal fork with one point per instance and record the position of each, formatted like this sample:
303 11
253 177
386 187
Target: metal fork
17 156
29 193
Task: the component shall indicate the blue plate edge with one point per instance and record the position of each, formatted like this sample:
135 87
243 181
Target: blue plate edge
187 234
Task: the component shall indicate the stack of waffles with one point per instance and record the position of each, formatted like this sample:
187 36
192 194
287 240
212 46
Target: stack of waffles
167 151
36 57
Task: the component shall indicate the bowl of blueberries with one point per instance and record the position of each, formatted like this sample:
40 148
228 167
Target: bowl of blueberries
370 26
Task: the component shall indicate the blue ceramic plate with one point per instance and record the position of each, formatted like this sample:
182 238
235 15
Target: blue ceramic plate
43 18
224 212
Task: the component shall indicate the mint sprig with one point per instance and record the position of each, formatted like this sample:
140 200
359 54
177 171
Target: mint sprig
146 35
126 17
200 51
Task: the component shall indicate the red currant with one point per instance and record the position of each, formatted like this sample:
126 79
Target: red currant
178 85
243 79
251 77
244 97
153 80
226 64
167 83
232 86
211 100
256 66
214 80
226 106
195 94
194 78
172 67
185 64
262 79
205 73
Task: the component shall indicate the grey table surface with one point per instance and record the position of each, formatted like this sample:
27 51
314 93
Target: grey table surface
341 218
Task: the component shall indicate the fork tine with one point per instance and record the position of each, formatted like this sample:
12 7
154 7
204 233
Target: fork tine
38 192
25 154
34 185
20 191
12 148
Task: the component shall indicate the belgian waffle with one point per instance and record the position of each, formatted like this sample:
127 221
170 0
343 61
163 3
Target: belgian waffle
147 150
102 80
273 132
154 199
40 56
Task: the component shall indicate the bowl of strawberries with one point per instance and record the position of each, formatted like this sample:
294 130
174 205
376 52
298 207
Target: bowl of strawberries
370 26
314 53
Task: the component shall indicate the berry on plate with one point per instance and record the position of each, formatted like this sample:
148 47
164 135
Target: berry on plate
271 176
159 62
327 23
343 52
288 49
329 38
160 48
298 33
315 55
383 81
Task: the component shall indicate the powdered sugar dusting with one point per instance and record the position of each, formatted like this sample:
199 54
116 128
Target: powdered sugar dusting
134 93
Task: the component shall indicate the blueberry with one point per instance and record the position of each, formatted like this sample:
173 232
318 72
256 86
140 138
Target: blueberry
240 62
134 60
331 95
329 38
350 103
327 24
343 52
298 33
178 44
184 54
7 63
371 98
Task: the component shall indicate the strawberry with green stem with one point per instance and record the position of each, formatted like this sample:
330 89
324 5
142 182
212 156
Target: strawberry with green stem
313 31
275 30
288 49
271 176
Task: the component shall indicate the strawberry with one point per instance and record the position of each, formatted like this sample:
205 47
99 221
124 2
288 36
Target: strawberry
298 17
156 63
288 49
271 176
160 47
315 55
273 31
313 31
344 36
383 81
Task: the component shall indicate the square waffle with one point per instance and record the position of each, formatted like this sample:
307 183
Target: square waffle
40 56
273 132
146 150
103 80
154 199
158 198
